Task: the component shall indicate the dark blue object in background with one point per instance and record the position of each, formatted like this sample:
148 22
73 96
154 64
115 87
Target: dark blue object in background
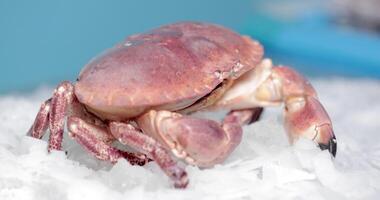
317 46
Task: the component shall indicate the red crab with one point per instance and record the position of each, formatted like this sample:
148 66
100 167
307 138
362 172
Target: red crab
141 91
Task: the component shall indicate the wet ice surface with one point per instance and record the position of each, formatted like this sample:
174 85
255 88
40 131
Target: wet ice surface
264 166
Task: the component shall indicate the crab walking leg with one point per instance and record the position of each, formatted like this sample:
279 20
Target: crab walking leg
232 124
244 116
255 114
91 137
40 124
94 136
129 135
199 142
62 98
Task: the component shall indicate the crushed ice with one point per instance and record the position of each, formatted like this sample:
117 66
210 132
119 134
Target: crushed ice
264 166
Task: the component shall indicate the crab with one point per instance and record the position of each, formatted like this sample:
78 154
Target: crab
142 91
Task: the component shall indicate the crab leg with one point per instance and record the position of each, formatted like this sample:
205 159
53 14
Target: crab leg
62 98
304 114
232 124
52 114
84 127
40 124
244 116
95 140
199 142
130 136
270 86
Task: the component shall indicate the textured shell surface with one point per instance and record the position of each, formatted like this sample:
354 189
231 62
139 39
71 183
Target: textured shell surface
171 66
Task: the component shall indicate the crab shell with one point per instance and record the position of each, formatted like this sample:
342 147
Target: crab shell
168 68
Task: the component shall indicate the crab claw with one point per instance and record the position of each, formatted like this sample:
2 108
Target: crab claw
306 117
331 144
199 142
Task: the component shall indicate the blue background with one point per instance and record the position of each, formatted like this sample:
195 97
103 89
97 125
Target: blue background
46 41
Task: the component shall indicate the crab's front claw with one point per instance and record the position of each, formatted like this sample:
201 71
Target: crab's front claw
331 145
306 117
199 142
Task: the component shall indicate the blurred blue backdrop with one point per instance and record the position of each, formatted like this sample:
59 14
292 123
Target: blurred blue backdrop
47 41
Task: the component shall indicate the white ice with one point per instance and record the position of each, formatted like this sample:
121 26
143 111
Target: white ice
264 166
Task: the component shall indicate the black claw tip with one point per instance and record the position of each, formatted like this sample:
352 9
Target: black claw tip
331 146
